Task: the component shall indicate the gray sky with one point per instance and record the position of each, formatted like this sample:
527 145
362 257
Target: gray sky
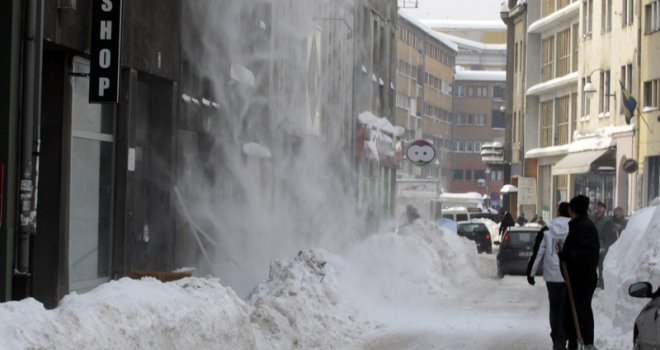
457 9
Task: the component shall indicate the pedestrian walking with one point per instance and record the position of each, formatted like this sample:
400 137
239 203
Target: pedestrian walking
554 235
579 255
609 234
521 221
507 221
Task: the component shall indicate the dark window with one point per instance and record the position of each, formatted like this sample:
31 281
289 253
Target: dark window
468 174
498 119
458 174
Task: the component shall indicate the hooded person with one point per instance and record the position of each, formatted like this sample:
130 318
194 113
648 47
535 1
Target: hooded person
507 221
580 254
553 236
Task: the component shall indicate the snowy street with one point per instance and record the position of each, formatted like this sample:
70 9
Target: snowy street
497 314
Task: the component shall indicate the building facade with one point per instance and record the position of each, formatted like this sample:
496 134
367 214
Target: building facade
423 93
477 120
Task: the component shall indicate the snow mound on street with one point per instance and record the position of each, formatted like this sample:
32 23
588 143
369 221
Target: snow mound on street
130 314
421 262
299 307
633 258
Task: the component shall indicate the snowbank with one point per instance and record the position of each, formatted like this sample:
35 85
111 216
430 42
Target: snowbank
634 257
129 314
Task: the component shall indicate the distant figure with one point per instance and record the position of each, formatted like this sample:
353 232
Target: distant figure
535 219
521 221
610 233
553 236
506 222
599 219
411 214
580 254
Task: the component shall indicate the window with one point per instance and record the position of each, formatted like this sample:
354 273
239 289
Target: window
576 47
564 53
499 92
470 91
652 16
604 105
468 174
402 101
547 59
588 6
627 12
561 120
626 79
606 16
498 119
469 147
479 174
548 7
458 174
651 93
546 124
574 117
460 91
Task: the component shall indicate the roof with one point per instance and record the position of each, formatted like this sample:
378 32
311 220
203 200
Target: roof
480 75
474 45
464 24
419 24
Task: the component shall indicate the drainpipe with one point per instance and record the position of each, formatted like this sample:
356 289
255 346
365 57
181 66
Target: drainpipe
30 113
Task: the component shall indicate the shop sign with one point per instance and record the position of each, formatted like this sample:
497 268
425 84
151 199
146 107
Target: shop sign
420 152
630 166
105 51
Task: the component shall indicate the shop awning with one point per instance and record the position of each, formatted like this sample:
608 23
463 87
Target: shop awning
583 162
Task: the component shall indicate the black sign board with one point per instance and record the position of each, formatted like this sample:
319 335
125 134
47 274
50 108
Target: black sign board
105 51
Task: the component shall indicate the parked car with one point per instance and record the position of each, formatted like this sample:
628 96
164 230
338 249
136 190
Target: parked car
477 232
646 332
516 246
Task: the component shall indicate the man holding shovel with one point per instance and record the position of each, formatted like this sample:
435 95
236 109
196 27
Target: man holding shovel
579 259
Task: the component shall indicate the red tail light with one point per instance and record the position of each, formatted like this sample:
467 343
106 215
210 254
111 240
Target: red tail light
487 236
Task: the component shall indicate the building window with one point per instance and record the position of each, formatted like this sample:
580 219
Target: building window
499 92
588 6
627 12
548 59
458 174
546 124
561 188
574 116
604 105
468 174
606 13
564 53
459 91
498 119
548 7
576 47
652 16
561 120
651 93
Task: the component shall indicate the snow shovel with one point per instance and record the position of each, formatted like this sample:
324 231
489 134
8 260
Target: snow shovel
573 310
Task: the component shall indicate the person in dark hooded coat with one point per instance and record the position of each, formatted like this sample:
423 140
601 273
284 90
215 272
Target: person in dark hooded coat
580 254
507 221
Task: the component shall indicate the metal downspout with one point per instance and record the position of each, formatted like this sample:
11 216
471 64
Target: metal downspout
30 113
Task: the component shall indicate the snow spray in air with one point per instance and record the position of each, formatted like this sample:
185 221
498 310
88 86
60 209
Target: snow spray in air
267 167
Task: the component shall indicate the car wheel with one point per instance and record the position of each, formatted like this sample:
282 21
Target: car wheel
500 272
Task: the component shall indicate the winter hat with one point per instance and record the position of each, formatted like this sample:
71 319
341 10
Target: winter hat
579 204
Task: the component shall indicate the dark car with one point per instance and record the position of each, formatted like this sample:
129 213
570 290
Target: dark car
477 232
515 250
646 333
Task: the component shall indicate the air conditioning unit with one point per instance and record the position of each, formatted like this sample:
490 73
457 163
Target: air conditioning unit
481 183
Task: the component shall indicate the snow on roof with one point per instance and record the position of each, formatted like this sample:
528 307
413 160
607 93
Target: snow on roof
458 24
600 139
548 21
553 84
419 24
480 75
369 119
475 45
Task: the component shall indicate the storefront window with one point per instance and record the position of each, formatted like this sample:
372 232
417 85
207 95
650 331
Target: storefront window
599 187
90 214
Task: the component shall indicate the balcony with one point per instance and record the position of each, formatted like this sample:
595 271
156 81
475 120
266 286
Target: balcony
556 19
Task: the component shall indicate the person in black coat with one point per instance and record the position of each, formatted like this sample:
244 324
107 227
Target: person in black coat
580 255
507 221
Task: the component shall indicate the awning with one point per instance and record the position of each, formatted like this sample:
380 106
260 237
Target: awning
583 162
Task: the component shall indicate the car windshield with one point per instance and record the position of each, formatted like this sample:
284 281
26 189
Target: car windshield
521 238
472 227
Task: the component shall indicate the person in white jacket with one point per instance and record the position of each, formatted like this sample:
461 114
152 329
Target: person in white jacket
554 234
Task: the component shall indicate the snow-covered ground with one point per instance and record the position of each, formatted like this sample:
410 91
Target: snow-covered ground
420 288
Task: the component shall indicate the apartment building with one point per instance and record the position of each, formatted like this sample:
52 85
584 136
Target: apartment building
477 119
648 98
423 92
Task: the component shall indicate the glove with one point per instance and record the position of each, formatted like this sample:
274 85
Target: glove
530 280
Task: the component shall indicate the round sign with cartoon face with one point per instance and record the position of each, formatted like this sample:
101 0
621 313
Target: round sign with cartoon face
420 152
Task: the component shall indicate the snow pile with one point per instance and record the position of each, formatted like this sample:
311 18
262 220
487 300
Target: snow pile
299 306
192 313
420 263
633 258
